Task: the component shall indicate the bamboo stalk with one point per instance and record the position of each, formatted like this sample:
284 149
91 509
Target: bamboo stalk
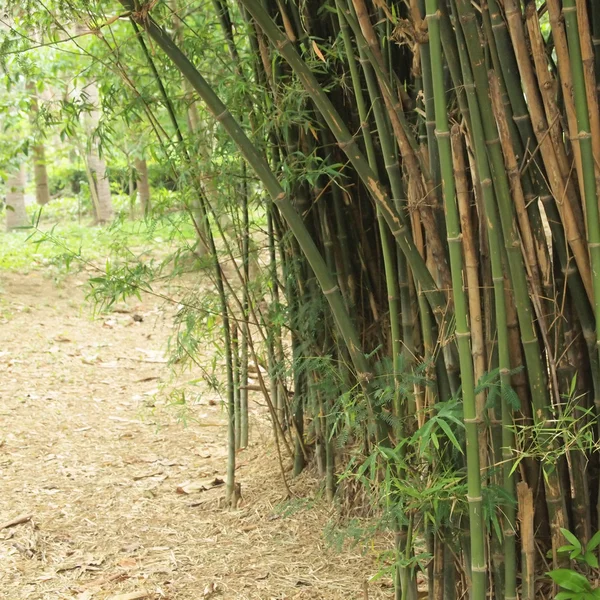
218 109
585 146
350 148
527 540
471 416
562 190
472 280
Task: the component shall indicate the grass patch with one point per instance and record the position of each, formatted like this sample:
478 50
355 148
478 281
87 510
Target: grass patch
61 241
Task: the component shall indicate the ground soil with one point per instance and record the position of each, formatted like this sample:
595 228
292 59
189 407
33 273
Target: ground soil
94 455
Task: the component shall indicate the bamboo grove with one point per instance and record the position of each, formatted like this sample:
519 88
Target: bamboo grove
430 174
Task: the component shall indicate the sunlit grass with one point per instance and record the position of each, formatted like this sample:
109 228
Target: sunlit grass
61 238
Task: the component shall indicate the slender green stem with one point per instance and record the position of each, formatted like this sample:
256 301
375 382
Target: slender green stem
273 187
349 146
463 334
584 139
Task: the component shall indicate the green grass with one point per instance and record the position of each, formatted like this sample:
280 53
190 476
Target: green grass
59 240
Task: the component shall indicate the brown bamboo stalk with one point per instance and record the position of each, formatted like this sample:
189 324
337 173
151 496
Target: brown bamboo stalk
514 177
471 253
419 185
563 192
548 88
588 59
564 71
525 503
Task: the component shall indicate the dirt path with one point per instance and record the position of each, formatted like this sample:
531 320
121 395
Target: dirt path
90 449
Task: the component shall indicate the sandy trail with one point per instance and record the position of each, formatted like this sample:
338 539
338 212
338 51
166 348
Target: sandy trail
91 450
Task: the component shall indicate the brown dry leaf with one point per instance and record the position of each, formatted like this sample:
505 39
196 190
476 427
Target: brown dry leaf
152 356
210 589
128 563
16 521
90 360
202 453
381 4
165 462
318 51
188 487
85 563
147 475
100 581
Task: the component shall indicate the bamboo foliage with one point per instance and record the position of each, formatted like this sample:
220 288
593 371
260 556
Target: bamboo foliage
433 233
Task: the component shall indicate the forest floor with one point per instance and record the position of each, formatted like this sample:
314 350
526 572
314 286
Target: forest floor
105 472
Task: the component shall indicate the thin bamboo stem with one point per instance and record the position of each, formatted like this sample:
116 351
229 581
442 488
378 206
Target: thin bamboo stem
463 333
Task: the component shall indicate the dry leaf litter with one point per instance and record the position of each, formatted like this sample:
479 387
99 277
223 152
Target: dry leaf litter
107 494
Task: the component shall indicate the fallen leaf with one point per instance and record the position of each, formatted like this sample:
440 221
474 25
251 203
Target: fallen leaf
147 475
188 487
210 589
90 360
100 581
165 462
16 521
128 563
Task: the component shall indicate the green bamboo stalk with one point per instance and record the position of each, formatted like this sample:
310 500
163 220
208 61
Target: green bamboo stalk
590 198
388 256
347 143
530 343
533 354
471 416
534 178
273 332
392 167
585 145
260 166
235 348
555 162
419 179
245 307
404 584
495 245
432 147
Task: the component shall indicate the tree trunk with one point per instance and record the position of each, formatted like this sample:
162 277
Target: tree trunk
143 185
103 209
15 200
40 174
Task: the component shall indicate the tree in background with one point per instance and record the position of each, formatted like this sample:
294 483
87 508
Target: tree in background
16 215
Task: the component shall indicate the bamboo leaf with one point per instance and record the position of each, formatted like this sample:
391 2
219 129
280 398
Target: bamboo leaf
450 434
570 580
571 538
594 542
591 559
